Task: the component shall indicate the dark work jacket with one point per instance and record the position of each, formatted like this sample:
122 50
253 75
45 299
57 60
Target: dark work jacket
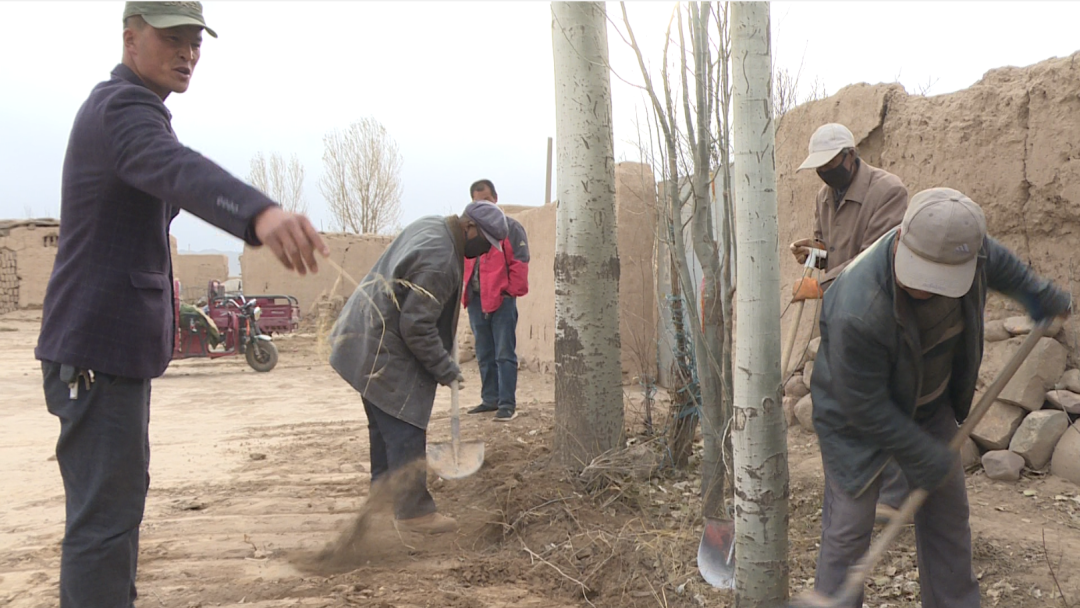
109 303
868 372
392 341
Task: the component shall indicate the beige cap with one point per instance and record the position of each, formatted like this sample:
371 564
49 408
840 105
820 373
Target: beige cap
826 143
940 239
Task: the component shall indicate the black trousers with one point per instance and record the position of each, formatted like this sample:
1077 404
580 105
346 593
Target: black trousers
104 457
394 445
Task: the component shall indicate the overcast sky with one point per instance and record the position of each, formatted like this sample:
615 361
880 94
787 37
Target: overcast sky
466 88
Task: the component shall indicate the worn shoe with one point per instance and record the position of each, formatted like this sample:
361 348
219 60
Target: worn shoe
505 414
432 523
483 408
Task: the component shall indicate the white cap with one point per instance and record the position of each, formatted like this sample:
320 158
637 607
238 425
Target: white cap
826 143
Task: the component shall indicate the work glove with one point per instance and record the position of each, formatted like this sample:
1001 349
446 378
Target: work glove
452 375
935 467
801 250
806 288
1051 302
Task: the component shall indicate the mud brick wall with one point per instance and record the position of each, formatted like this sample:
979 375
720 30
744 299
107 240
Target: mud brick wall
195 272
30 249
9 281
262 273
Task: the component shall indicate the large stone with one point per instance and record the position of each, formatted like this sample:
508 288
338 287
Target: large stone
1066 461
789 411
1070 380
969 454
1067 401
796 388
1038 374
1019 326
812 348
995 331
1037 436
807 370
804 412
1002 465
997 427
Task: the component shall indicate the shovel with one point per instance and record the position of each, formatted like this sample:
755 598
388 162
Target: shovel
856 577
456 459
809 266
716 553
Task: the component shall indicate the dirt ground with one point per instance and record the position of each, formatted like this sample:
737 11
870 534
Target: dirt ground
252 471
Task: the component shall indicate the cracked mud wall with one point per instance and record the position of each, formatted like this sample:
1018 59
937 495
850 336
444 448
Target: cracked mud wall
1011 142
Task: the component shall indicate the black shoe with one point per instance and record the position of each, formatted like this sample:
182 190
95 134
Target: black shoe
505 414
483 408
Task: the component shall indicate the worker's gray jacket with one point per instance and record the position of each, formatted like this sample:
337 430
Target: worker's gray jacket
392 340
868 371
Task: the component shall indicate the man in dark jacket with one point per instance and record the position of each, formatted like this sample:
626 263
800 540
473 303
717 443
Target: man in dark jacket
493 283
107 326
393 343
901 345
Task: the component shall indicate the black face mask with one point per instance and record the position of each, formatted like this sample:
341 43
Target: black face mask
477 246
838 177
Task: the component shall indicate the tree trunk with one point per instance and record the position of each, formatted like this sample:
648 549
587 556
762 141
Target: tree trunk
588 374
759 438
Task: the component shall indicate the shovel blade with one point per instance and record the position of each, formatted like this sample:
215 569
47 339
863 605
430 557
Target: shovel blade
716 553
469 459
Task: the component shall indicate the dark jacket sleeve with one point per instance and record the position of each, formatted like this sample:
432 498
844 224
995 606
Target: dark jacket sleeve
861 369
517 260
148 156
420 311
1007 274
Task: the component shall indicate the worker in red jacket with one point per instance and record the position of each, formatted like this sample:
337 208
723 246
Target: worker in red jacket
493 282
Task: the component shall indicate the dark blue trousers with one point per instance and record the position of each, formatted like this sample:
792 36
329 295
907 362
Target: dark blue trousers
495 335
395 444
104 457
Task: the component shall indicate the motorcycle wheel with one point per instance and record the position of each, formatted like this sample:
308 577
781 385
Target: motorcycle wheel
262 355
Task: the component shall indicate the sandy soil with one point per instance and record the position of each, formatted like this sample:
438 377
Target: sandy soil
250 471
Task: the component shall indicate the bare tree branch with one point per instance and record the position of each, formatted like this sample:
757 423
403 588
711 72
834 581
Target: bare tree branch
362 178
284 184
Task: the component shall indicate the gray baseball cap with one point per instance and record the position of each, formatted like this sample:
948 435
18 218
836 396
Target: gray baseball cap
490 220
162 15
940 238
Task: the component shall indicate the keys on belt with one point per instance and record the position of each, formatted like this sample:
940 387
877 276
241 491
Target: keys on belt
73 376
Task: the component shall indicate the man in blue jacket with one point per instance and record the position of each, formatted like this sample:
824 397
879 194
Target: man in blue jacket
901 346
107 324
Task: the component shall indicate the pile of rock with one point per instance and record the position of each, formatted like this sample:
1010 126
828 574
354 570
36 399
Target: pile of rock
1029 425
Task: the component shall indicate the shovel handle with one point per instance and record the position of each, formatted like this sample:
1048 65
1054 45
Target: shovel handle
856 578
789 348
455 421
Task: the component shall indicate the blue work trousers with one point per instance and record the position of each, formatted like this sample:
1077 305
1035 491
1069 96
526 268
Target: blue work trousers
495 337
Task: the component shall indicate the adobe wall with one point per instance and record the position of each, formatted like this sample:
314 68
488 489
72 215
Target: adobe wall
27 252
1011 142
195 271
635 200
262 273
